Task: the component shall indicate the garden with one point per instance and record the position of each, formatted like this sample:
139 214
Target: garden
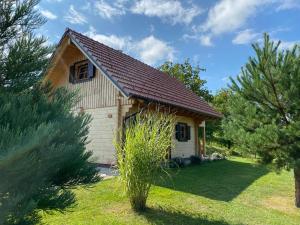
48 177
233 191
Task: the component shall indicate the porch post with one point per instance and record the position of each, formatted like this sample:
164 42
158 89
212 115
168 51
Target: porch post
197 146
204 140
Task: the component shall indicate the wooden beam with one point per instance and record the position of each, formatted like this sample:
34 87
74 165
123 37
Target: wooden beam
204 141
196 124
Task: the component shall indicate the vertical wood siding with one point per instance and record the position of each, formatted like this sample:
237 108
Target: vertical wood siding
187 148
98 92
99 98
102 131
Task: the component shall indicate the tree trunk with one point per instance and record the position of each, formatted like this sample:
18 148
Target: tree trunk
297 187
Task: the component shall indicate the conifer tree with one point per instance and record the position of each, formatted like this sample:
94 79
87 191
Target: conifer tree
42 142
23 56
264 112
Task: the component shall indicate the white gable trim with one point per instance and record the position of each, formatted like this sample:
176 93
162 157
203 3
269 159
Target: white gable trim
97 64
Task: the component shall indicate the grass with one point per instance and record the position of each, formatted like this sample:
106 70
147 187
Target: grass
235 191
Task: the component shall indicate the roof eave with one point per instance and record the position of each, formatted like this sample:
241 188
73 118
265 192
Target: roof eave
207 115
96 63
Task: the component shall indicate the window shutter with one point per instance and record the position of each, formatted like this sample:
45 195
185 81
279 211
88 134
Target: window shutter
72 74
188 132
91 70
177 131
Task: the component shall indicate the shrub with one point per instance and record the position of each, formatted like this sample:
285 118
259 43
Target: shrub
42 151
177 162
196 160
142 154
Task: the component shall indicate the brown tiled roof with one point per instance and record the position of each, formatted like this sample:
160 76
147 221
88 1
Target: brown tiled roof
136 79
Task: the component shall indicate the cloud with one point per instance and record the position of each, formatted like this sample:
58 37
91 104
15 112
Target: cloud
75 17
49 15
169 10
206 40
116 42
108 11
230 15
150 50
245 37
288 45
288 4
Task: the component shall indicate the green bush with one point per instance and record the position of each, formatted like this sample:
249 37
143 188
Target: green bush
142 154
42 151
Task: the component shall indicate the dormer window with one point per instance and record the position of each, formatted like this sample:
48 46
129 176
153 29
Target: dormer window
81 71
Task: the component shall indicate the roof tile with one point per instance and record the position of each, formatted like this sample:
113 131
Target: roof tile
141 80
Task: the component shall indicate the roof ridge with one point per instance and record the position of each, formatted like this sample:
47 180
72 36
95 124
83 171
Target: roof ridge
123 53
115 50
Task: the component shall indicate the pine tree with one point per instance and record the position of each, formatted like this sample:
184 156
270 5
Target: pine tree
264 112
42 142
42 151
23 56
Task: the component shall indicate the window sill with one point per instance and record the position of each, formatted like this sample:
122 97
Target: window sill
81 81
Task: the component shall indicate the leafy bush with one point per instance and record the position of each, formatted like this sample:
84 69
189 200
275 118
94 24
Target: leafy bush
177 162
142 154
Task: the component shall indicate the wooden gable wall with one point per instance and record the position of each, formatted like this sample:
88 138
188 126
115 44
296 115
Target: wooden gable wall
96 93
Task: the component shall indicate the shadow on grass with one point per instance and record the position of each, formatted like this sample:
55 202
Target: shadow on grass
161 216
222 180
57 200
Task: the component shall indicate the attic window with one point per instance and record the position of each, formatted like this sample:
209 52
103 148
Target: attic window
183 132
81 71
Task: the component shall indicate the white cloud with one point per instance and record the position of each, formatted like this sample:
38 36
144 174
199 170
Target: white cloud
288 4
49 15
245 37
189 36
116 42
230 15
152 50
75 17
206 40
169 10
288 45
108 11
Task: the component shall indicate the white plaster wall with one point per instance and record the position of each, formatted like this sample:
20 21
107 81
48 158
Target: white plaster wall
184 149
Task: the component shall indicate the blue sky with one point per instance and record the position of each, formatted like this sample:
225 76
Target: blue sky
217 35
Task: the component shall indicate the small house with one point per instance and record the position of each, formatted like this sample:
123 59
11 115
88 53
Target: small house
114 87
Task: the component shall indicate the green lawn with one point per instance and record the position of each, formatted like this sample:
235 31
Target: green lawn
235 191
